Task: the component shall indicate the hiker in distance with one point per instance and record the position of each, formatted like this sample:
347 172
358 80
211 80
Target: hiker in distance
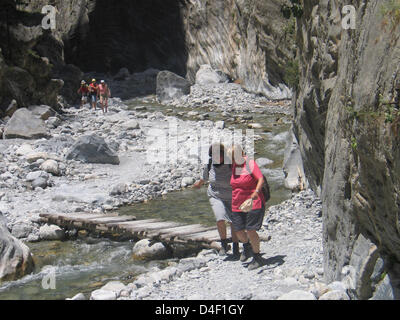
248 204
104 93
93 88
219 192
83 91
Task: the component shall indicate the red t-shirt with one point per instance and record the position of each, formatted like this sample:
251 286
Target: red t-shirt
93 88
84 89
244 184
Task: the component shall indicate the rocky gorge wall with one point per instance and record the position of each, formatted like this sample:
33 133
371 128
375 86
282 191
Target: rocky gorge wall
349 138
248 40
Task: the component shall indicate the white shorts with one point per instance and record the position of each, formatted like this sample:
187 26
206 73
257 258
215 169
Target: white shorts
222 209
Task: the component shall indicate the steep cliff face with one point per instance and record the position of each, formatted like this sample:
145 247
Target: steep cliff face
247 39
32 55
349 136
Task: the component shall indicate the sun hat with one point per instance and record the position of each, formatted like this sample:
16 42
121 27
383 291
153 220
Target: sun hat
246 206
83 82
93 80
102 81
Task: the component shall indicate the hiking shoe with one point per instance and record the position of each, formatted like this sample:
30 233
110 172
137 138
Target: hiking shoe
224 248
256 262
235 256
235 251
247 252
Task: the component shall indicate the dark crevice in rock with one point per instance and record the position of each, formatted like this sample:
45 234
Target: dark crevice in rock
137 34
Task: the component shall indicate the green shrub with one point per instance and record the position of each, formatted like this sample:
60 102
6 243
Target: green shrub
293 7
390 11
292 74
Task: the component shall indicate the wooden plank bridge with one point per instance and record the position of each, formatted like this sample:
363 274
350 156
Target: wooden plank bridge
128 227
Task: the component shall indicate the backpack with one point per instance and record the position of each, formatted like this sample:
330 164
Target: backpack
265 187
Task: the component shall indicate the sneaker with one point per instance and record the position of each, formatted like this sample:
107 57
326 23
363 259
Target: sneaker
256 262
247 252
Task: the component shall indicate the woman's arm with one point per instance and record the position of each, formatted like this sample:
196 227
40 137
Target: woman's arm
255 194
198 184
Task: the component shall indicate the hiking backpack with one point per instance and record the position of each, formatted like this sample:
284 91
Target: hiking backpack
265 187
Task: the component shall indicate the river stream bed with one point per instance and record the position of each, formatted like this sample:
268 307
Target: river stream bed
86 264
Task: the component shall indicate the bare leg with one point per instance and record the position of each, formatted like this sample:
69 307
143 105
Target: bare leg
254 240
242 236
233 234
221 229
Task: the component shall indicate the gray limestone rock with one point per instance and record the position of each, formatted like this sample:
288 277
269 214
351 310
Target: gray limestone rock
25 126
146 250
171 86
15 257
51 232
92 149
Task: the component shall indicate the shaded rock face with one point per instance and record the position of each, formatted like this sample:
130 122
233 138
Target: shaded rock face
349 147
15 258
30 54
132 34
92 149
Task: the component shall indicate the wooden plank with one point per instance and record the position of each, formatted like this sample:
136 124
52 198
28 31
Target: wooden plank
152 226
132 224
75 216
171 231
207 236
112 219
184 230
156 229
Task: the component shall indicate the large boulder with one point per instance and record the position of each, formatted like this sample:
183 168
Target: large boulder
23 124
92 149
51 232
43 112
206 75
15 257
171 86
145 250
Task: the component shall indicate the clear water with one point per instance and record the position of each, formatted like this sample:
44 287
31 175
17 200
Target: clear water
85 265
78 266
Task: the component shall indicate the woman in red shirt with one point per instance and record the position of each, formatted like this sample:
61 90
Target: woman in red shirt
247 181
84 92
